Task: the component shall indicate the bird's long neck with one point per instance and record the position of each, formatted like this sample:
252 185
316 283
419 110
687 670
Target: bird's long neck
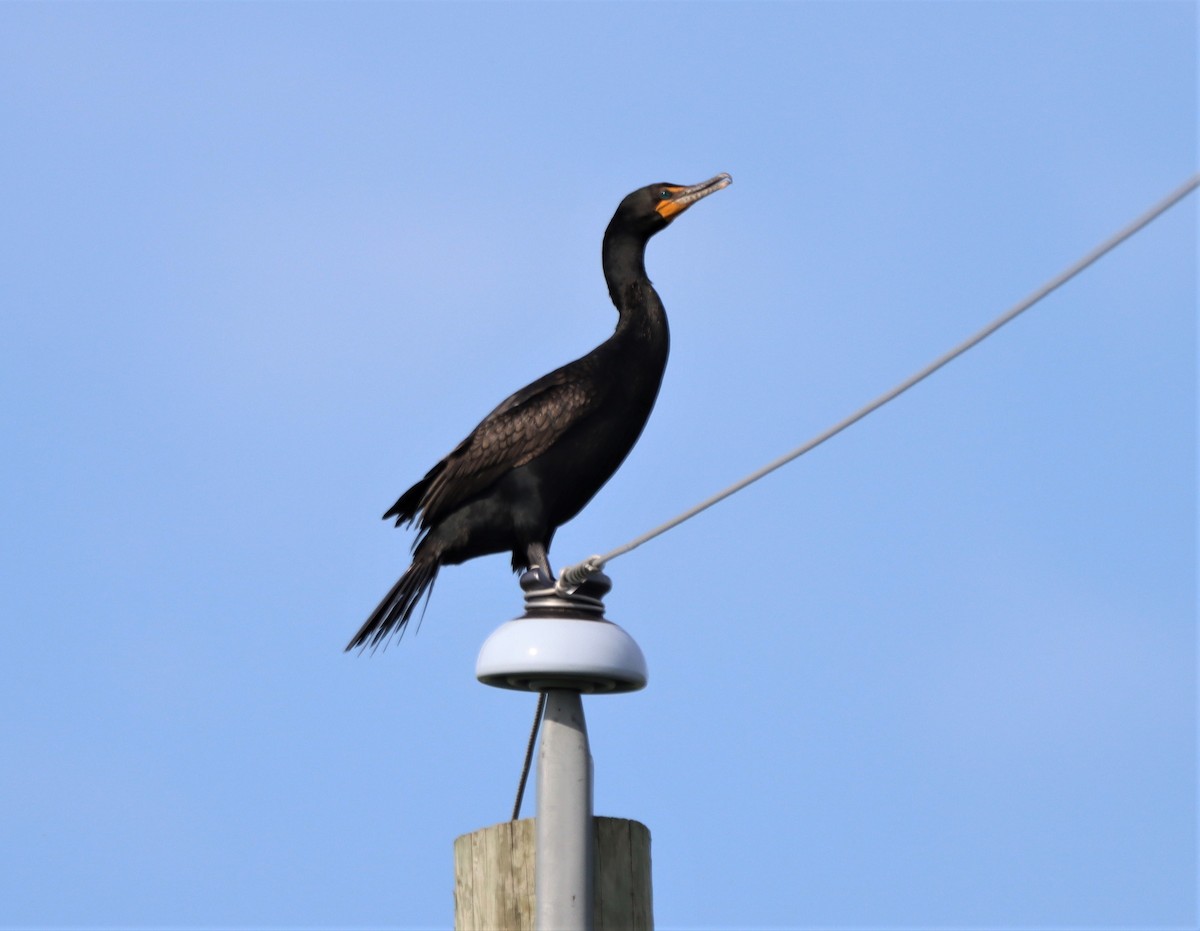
642 314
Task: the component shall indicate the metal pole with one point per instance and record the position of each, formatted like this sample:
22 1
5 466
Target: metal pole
564 853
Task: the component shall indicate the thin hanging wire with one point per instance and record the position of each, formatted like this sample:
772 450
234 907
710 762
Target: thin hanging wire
573 576
537 720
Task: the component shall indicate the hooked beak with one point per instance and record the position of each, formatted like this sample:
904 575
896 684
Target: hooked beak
683 197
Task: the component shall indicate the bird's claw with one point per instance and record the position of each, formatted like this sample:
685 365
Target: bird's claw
539 576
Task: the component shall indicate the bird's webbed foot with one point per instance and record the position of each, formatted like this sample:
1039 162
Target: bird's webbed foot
539 563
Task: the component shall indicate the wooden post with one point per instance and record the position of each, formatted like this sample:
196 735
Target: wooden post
494 877
623 887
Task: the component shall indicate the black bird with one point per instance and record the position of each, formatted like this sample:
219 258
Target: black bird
538 458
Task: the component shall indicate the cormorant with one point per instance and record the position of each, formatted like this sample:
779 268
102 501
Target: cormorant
538 458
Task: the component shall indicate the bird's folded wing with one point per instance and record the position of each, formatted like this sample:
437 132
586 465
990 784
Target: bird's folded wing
522 428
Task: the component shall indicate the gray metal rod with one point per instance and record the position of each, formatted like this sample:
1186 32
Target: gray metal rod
564 854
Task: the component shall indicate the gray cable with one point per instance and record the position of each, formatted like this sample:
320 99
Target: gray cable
537 720
573 576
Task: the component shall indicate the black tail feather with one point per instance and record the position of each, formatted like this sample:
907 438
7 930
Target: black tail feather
398 605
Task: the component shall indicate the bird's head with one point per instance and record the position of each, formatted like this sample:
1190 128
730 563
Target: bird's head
651 208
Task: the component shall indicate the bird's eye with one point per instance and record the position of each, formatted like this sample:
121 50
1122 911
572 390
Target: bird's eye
664 194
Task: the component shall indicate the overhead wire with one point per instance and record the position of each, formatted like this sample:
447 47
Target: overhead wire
573 576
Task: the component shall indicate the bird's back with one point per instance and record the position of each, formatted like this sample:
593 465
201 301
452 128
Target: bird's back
564 435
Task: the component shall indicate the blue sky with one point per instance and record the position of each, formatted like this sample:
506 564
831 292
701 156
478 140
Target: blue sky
264 264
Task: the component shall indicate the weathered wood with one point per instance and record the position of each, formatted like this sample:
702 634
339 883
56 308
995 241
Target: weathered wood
494 877
623 888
